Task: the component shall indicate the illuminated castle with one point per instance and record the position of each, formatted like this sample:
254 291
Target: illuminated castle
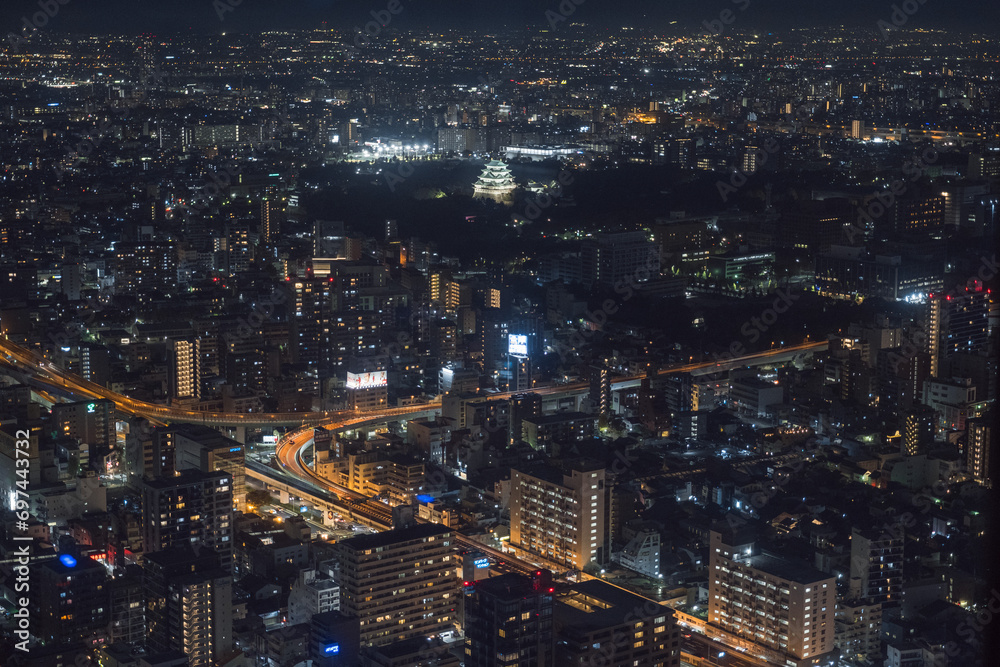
496 183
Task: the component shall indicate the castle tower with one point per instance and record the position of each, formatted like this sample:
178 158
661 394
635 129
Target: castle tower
495 183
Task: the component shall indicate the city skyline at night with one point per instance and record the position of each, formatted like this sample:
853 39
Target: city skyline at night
380 333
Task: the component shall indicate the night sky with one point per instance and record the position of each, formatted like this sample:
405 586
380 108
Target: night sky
200 16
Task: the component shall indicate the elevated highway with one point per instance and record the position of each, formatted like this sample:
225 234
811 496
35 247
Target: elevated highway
43 371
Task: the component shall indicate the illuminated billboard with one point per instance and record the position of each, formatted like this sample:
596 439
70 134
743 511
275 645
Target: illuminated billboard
518 344
367 380
481 563
331 649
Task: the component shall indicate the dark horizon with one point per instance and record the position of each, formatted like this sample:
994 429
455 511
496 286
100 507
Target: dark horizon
203 16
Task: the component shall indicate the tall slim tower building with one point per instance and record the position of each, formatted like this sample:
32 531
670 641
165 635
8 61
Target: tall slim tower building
311 301
918 430
600 390
184 368
272 210
956 323
189 605
877 565
978 446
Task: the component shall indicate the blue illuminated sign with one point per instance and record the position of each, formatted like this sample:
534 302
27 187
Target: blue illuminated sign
67 560
481 562
424 498
330 649
235 449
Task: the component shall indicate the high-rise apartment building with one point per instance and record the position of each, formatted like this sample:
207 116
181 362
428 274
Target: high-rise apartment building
184 369
400 584
146 265
877 565
620 258
600 624
918 430
127 608
781 605
600 390
203 448
310 302
559 514
90 422
189 605
978 446
858 630
272 213
955 323
193 508
508 621
69 600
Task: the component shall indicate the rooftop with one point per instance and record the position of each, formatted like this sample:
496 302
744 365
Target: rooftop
597 605
785 568
397 536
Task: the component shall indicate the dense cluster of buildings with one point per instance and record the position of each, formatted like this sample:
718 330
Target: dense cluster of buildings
743 417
